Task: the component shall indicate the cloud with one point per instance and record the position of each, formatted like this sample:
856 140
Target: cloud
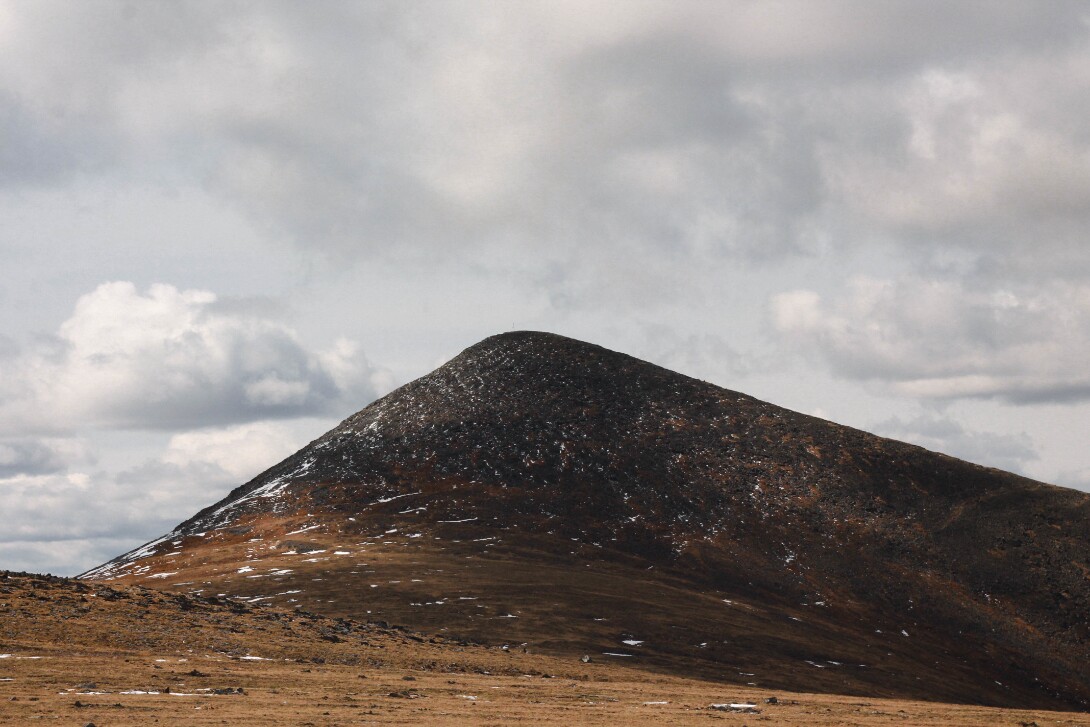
170 358
984 157
943 340
1078 479
107 514
58 506
30 456
495 135
705 356
61 557
48 510
1010 452
240 451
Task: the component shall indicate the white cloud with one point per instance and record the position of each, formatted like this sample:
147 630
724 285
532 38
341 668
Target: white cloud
241 451
170 358
162 359
110 512
937 339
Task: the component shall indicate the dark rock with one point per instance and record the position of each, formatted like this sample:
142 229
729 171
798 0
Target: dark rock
299 546
228 690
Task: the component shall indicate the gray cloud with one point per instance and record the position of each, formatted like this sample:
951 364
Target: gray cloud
32 154
1011 452
28 456
56 504
65 557
450 129
944 340
1078 479
8 347
705 356
67 506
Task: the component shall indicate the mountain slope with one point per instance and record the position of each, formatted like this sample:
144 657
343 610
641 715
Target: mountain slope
543 490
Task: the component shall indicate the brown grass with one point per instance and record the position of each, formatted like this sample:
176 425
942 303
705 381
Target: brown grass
82 654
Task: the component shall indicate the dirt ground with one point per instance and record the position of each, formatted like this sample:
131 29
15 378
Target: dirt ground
73 653
131 689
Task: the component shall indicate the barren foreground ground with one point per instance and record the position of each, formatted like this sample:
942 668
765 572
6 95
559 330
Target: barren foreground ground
73 653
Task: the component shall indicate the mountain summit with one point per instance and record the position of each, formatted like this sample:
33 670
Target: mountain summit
542 491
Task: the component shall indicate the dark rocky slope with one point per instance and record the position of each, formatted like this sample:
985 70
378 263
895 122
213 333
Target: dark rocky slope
549 441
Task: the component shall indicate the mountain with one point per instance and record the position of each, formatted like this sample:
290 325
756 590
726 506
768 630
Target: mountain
564 498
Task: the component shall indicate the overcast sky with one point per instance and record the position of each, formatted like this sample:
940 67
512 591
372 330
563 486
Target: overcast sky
224 226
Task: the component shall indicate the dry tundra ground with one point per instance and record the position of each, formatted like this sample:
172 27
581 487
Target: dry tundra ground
73 653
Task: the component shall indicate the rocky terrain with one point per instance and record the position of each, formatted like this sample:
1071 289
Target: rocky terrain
547 494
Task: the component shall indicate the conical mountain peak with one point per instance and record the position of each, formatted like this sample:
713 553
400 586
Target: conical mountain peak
527 375
562 479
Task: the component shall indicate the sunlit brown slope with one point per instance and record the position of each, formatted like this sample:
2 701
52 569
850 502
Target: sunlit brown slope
542 490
